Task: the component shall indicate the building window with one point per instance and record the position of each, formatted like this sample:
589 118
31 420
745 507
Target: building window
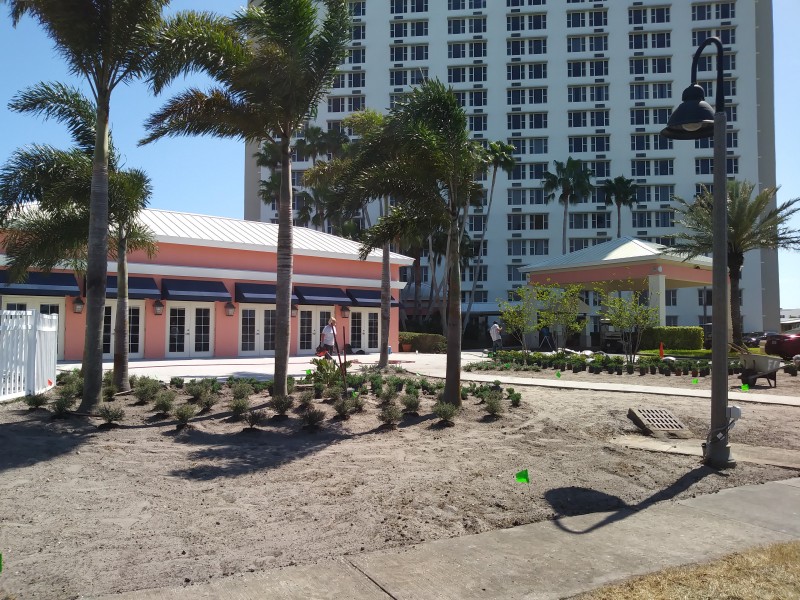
671 298
671 320
641 219
358 9
704 294
665 218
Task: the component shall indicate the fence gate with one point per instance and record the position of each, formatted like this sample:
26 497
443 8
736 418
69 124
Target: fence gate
28 352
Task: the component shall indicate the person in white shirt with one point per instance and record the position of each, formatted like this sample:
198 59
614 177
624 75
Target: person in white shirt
497 338
328 337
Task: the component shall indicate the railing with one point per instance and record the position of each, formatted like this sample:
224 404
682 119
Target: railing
28 353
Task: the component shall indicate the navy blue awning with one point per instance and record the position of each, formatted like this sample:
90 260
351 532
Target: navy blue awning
139 288
322 295
194 290
258 293
41 284
368 297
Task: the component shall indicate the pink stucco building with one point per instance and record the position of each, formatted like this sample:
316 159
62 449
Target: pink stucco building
210 291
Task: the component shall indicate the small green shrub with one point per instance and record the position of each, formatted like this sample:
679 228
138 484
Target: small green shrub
388 394
445 411
515 398
108 378
208 398
494 404
63 405
335 392
410 403
254 417
176 382
342 407
132 380
165 400
110 414
306 400
35 401
146 389
71 379
183 413
432 343
242 390
281 404
390 414
312 418
239 406
108 392
194 388
376 384
356 403
290 383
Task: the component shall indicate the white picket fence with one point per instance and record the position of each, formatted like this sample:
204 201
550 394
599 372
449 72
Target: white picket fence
28 353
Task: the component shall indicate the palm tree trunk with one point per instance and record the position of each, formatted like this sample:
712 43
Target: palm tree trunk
480 253
619 220
452 387
735 262
386 296
564 231
121 318
283 295
417 285
97 262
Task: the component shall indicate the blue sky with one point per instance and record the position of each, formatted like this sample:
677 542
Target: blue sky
206 175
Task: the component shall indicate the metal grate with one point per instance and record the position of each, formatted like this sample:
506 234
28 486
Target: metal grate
655 419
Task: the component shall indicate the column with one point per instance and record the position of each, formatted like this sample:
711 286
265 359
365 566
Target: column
658 295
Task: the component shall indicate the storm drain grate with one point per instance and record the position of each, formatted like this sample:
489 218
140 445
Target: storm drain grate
655 419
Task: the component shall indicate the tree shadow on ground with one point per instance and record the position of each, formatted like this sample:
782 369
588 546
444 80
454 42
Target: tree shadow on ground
40 438
251 450
572 501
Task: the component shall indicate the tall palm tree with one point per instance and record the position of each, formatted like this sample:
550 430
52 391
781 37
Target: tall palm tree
622 192
272 63
499 155
571 183
108 43
753 223
59 181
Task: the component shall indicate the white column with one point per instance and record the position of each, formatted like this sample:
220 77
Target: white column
658 296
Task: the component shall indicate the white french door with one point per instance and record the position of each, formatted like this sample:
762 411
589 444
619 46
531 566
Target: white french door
311 321
257 324
190 330
46 305
135 329
364 330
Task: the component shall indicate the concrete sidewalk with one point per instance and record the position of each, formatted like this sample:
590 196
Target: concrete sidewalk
546 560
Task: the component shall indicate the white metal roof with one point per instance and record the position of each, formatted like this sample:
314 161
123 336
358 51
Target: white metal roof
224 232
615 251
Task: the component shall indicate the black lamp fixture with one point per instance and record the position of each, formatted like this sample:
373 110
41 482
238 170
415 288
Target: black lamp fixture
77 305
345 312
294 310
158 307
695 119
230 309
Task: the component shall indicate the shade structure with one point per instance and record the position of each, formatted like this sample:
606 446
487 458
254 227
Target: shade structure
41 284
368 298
258 293
322 296
194 290
139 288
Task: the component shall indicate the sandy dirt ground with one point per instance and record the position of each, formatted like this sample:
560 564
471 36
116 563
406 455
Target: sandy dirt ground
87 511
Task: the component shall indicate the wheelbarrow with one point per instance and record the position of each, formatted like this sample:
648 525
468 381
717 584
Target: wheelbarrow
758 366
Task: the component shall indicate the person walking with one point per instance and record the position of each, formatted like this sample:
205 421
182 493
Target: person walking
497 337
328 337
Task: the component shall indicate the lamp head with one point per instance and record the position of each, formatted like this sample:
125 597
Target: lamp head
693 119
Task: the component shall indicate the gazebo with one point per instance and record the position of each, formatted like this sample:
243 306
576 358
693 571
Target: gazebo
625 264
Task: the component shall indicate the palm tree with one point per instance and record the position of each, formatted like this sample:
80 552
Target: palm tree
572 182
500 156
59 181
753 223
108 42
622 192
273 63
426 160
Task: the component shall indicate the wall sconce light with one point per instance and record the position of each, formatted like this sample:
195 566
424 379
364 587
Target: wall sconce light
158 307
345 312
294 310
77 305
230 309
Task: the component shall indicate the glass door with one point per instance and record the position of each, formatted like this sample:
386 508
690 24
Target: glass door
257 325
191 332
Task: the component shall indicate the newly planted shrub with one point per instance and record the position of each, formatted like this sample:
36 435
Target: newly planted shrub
410 403
390 414
241 390
35 401
356 403
176 382
183 413
306 400
494 404
290 383
71 379
335 393
389 394
194 388
445 411
62 405
146 389
254 417
165 399
281 404
239 406
208 398
108 392
342 407
312 418
108 378
514 397
111 414
376 384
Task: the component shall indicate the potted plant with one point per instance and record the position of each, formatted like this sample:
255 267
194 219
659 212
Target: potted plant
629 368
642 370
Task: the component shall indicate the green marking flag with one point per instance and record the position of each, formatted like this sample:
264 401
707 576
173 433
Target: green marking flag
558 374
522 476
695 380
308 372
355 394
508 365
745 387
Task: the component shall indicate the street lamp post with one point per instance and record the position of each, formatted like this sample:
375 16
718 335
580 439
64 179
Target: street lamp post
695 119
